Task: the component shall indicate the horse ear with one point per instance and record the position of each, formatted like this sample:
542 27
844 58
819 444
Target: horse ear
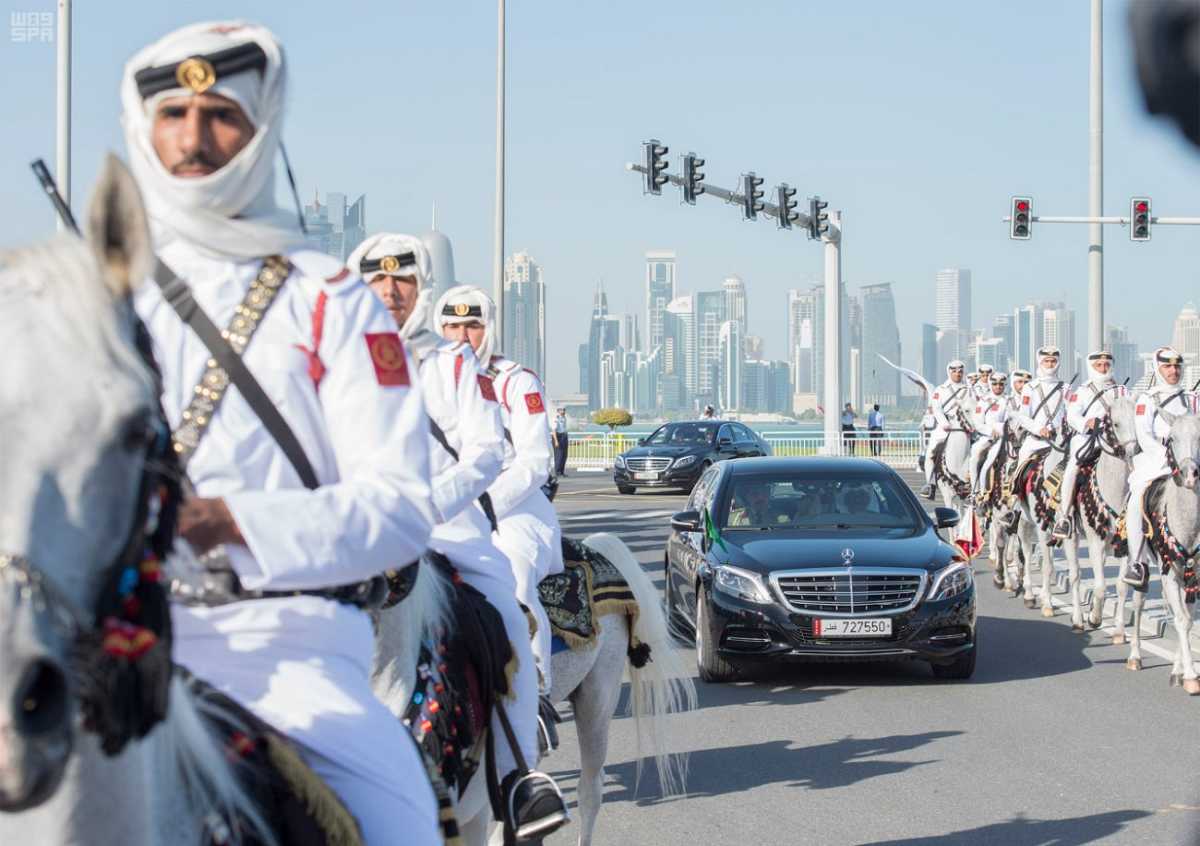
117 229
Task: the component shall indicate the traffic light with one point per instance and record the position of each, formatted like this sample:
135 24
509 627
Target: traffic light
1020 224
656 163
692 178
787 206
1139 219
818 218
751 195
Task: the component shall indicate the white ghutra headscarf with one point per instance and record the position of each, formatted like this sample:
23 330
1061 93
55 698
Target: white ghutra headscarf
230 213
420 266
473 304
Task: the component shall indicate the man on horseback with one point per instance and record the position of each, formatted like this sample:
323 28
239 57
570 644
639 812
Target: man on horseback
528 526
1042 406
466 455
1086 410
1164 394
947 404
990 414
293 519
983 387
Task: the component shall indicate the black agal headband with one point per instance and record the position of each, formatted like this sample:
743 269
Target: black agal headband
462 310
386 264
200 73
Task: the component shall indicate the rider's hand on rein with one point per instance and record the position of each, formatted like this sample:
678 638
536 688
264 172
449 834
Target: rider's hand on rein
205 523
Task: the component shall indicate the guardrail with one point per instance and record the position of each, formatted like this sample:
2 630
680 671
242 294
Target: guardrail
899 449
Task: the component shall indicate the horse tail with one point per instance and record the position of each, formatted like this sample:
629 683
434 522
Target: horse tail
662 685
185 744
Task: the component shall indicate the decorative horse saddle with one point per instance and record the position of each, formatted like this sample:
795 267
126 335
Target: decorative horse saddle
290 796
588 588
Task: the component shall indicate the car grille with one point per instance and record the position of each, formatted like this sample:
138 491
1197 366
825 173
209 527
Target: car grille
850 591
643 464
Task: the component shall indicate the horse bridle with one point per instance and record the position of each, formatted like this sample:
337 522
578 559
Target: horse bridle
121 652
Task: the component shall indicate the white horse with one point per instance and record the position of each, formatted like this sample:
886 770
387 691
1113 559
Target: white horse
1181 506
951 476
1108 488
591 678
1035 535
77 405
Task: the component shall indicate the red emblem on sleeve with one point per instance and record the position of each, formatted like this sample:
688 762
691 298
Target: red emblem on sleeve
387 356
486 388
1025 400
533 402
1141 409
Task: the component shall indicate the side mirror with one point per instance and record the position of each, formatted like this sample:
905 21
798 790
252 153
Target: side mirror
725 443
641 441
945 518
687 521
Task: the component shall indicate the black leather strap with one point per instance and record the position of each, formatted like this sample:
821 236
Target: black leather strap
176 292
485 501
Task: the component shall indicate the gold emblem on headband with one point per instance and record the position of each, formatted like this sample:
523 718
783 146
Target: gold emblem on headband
461 309
196 74
389 264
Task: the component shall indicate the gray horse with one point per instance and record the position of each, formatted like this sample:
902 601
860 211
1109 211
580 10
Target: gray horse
1181 508
1106 490
77 405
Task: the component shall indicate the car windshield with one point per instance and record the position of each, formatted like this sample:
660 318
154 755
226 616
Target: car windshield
805 501
683 434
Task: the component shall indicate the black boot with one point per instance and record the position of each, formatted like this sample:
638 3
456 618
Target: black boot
534 806
548 720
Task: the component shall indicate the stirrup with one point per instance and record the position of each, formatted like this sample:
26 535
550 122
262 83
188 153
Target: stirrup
534 807
1137 576
548 720
1063 529
927 490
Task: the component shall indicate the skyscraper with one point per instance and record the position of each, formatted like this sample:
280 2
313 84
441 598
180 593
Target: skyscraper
335 228
1002 328
735 301
660 290
730 388
1027 336
524 312
952 303
1058 329
710 314
603 337
804 318
1186 339
679 335
880 336
1126 363
929 354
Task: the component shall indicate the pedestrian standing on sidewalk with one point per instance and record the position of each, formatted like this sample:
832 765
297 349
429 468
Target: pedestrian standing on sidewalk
561 441
848 429
875 427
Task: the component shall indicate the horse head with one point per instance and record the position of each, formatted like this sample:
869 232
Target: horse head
1119 432
1183 448
78 411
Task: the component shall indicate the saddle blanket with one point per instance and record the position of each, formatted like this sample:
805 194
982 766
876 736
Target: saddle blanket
588 588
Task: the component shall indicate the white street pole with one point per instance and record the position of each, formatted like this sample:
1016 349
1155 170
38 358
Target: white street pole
498 258
1096 182
833 340
62 139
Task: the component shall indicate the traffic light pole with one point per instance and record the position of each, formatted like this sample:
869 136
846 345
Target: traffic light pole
832 239
1123 221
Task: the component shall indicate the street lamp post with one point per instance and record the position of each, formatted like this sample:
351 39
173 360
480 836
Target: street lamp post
63 106
1096 181
498 239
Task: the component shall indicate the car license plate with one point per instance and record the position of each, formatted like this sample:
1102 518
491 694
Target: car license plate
646 476
853 628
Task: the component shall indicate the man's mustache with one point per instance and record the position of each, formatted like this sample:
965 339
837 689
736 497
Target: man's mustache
194 160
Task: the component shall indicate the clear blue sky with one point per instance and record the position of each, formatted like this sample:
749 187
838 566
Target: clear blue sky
917 119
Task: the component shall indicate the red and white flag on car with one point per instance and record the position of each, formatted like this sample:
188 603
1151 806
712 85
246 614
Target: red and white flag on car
967 535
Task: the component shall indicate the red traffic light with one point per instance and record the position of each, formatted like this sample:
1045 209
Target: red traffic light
1022 205
1141 206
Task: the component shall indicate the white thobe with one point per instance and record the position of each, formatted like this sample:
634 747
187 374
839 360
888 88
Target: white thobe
1090 402
945 402
1036 412
462 401
303 663
1150 463
529 532
990 414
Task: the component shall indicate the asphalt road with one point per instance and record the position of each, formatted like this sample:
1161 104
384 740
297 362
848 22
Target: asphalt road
1052 742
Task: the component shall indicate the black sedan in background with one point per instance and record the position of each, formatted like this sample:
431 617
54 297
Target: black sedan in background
817 559
675 454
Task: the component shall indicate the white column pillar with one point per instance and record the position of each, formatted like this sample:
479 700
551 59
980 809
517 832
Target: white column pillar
62 164
498 245
1096 182
833 339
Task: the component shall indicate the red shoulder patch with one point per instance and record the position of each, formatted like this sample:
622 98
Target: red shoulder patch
387 357
1141 409
1025 399
533 402
1074 396
338 277
978 409
486 388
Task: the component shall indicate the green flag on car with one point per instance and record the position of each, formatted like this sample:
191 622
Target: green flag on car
710 531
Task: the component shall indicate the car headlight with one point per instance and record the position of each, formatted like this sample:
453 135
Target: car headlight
685 461
951 581
620 461
740 583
